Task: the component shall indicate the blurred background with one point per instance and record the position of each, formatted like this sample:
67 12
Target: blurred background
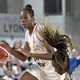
63 13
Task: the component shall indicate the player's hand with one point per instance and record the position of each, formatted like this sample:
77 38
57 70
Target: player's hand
25 52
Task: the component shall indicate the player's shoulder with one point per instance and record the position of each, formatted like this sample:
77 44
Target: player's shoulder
39 26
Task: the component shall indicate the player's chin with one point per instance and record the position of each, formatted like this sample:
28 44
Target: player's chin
23 25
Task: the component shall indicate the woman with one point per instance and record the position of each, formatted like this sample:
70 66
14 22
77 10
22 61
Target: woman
36 48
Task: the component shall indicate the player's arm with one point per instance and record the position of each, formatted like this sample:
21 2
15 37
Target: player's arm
44 55
47 55
20 53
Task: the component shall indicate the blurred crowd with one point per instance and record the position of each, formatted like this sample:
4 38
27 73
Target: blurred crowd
12 68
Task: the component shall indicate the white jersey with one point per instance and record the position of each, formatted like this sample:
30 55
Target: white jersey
36 45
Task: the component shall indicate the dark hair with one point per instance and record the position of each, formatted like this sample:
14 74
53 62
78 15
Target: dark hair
62 43
28 9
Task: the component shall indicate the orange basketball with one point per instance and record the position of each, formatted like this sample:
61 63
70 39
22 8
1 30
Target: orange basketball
4 52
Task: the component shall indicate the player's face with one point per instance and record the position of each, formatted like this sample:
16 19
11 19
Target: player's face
26 19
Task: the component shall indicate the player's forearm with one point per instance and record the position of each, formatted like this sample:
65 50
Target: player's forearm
18 55
42 56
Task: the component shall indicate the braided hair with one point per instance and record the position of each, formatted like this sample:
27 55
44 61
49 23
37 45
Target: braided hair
62 43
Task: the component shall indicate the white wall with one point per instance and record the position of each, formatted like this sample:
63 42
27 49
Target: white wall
73 22
10 30
38 6
14 6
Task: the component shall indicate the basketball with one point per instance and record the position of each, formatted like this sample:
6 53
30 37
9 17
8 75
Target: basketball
4 52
